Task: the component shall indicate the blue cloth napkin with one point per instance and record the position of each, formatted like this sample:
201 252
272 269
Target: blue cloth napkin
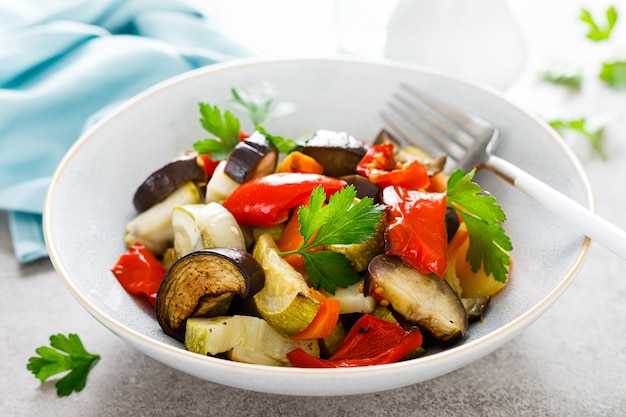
61 66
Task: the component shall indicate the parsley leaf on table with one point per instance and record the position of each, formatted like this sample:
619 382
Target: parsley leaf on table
489 244
596 33
340 222
614 74
566 77
52 361
595 135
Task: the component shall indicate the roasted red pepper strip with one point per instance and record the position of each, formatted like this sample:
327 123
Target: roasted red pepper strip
370 341
380 167
416 228
139 272
267 200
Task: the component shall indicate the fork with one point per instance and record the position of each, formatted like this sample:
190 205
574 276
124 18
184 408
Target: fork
469 142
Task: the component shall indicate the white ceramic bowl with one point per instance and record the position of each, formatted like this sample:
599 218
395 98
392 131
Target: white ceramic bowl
89 203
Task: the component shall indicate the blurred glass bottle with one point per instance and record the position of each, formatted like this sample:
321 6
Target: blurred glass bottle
360 26
475 39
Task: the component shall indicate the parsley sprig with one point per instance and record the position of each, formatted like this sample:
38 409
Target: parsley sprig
225 126
489 244
613 74
595 32
593 132
259 104
52 361
340 222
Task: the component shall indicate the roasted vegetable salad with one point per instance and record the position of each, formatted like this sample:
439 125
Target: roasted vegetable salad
321 251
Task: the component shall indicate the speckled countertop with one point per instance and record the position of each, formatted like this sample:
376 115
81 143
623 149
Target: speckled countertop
571 362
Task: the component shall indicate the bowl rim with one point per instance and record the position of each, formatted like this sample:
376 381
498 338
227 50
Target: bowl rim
493 339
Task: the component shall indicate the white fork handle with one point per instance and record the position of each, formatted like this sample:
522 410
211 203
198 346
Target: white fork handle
579 216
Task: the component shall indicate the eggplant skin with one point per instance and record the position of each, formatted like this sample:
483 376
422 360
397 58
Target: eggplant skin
338 152
200 283
251 158
364 187
424 299
166 180
452 222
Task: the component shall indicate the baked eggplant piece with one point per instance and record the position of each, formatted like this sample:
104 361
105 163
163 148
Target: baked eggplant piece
164 181
338 152
251 158
426 300
363 187
203 284
475 307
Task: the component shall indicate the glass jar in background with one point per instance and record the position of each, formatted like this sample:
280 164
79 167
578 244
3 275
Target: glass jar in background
361 26
475 39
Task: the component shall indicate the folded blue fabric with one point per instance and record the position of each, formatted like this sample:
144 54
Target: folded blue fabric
59 67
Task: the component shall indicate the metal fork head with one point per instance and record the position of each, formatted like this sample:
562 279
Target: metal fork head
423 121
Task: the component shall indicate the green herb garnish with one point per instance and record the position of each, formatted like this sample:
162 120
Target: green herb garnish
283 145
594 134
225 126
489 245
52 361
566 77
614 75
340 222
259 104
595 32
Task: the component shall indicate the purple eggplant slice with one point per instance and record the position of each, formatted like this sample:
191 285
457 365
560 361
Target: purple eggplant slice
338 152
251 158
203 284
166 180
426 300
363 187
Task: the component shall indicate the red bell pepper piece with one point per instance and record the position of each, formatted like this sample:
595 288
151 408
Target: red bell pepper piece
139 272
267 200
299 358
370 341
207 164
380 167
416 228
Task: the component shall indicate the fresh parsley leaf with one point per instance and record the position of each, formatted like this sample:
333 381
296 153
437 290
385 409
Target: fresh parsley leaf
259 103
52 361
225 127
566 77
489 244
329 269
594 134
595 32
340 222
614 74
281 144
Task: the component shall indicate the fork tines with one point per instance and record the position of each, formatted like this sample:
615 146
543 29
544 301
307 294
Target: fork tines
416 116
